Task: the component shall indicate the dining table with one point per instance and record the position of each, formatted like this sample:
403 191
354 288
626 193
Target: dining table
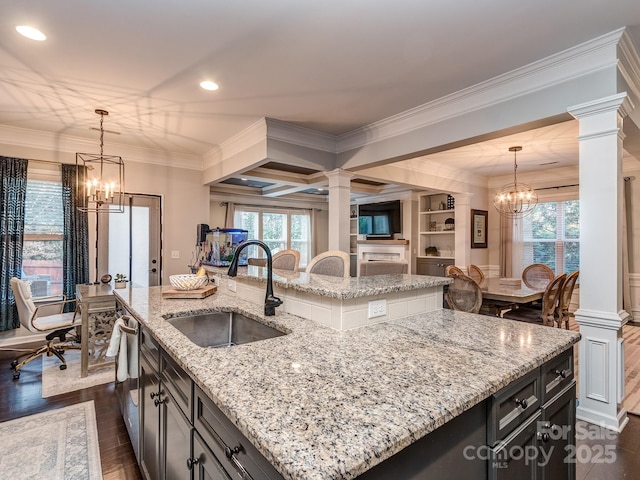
493 289
506 296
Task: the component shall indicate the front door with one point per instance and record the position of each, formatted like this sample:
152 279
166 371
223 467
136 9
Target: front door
130 241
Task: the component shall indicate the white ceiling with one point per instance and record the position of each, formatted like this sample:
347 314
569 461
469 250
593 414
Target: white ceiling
332 66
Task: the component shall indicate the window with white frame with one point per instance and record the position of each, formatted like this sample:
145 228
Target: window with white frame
43 231
551 235
280 229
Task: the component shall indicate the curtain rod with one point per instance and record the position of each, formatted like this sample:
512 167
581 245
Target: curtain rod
559 186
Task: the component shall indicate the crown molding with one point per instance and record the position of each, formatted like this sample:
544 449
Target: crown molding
57 142
240 142
305 137
629 64
586 58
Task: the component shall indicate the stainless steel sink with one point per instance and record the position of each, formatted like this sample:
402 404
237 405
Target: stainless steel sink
222 329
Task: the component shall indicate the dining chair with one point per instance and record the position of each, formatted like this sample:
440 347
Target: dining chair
452 271
476 274
383 267
257 262
563 315
43 315
547 314
463 294
537 276
334 263
286 260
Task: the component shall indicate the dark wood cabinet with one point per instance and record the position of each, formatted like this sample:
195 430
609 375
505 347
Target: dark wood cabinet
432 266
534 440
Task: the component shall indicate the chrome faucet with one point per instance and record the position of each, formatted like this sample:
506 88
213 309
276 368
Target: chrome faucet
270 302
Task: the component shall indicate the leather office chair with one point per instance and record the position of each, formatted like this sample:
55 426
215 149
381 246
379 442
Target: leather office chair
40 315
334 263
286 260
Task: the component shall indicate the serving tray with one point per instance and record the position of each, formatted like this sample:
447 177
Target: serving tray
201 292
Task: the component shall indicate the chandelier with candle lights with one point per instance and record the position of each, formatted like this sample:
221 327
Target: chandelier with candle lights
516 199
104 185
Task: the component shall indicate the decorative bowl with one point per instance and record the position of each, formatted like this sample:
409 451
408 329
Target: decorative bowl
187 281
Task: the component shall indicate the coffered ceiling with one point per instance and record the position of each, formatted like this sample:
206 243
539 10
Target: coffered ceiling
331 66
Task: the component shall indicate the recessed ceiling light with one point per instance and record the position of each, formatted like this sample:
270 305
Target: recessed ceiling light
321 189
31 32
243 179
209 85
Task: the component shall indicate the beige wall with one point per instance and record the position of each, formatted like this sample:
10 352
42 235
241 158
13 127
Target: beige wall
185 203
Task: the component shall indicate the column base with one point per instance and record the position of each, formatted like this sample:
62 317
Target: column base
615 423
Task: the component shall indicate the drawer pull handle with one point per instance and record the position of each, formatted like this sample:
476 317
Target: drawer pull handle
154 394
543 436
192 462
159 401
231 453
522 403
561 373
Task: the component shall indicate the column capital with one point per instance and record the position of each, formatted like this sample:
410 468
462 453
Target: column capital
619 102
339 173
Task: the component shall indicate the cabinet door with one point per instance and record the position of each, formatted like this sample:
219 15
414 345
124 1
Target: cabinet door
515 458
149 420
558 435
207 466
432 266
175 440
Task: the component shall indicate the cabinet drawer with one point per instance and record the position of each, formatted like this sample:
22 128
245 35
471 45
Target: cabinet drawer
557 374
506 460
224 438
149 348
178 383
513 405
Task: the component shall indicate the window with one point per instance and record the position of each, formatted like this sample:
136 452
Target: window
43 230
280 229
551 235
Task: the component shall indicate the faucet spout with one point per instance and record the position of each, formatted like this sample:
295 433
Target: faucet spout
270 301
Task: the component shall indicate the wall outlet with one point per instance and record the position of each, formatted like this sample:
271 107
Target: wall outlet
231 285
175 254
377 308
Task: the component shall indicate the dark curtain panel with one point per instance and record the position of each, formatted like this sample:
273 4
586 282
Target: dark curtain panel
13 191
75 240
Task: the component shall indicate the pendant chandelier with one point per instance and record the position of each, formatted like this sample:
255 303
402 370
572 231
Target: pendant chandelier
104 185
516 199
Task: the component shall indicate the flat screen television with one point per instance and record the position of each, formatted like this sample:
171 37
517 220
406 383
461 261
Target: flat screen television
380 220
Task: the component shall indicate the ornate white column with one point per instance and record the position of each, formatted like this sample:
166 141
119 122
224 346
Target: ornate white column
600 316
339 203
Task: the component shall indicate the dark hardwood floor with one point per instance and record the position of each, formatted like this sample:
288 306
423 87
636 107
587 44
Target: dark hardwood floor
600 454
24 397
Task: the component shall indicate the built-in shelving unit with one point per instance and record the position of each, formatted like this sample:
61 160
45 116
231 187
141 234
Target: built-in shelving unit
437 225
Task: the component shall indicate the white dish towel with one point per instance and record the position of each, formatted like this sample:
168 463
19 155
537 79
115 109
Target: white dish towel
125 347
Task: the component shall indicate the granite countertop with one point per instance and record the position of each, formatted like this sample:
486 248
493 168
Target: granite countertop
337 287
325 404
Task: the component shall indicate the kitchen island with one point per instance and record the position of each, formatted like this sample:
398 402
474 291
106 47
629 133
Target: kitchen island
319 403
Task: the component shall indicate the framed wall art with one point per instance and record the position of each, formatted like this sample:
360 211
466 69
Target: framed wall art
479 228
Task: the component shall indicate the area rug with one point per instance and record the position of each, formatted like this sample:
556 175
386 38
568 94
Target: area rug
56 445
56 381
